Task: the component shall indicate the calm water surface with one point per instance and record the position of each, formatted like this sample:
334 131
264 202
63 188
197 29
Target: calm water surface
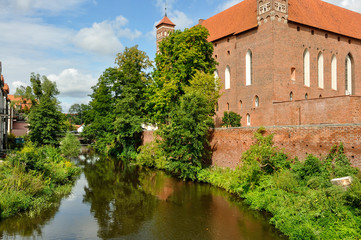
111 201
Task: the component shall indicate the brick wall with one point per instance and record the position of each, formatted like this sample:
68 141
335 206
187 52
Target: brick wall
228 144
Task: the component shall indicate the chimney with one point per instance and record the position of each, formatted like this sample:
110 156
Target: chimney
200 21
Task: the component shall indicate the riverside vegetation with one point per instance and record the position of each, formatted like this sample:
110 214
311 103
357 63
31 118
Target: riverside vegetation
31 178
179 97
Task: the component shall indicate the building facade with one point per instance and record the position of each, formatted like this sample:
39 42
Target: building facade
286 62
4 112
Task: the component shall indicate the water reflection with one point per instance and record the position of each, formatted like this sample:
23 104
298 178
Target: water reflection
113 201
116 198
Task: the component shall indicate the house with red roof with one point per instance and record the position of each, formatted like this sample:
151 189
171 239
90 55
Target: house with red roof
286 62
4 111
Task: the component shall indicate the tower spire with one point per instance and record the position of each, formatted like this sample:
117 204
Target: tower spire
166 3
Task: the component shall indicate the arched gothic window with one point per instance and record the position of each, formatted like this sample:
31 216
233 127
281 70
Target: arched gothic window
249 68
349 75
256 101
306 68
227 84
334 73
291 96
320 70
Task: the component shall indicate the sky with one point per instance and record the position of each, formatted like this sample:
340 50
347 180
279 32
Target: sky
72 42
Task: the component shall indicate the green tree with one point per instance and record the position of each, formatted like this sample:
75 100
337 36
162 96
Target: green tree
100 117
180 56
116 112
231 119
130 103
46 122
76 113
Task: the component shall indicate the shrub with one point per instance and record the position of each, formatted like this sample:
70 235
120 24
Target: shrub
231 119
70 145
151 155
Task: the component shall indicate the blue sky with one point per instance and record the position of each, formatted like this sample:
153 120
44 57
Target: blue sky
74 41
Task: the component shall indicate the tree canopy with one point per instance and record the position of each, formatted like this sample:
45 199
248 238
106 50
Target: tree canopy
46 122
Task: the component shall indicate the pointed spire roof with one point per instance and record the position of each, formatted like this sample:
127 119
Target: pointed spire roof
165 21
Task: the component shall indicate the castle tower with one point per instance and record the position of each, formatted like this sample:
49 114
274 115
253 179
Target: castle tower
272 10
164 27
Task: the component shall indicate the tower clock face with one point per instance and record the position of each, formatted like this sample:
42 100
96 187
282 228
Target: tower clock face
264 7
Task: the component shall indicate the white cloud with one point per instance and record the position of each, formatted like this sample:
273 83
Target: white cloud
354 5
100 38
18 84
72 83
228 4
32 6
103 38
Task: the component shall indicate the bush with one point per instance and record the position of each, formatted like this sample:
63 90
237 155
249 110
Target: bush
151 155
31 177
70 145
231 119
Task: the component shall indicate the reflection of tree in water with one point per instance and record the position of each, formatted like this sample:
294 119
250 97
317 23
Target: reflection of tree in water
29 226
117 200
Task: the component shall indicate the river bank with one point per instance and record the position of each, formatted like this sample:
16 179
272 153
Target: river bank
299 195
32 178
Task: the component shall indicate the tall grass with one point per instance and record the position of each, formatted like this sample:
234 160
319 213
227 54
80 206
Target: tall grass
30 178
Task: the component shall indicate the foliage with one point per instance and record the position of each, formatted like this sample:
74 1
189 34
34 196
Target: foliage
231 119
70 145
116 113
129 109
299 195
184 140
46 122
100 117
31 177
151 155
76 113
180 56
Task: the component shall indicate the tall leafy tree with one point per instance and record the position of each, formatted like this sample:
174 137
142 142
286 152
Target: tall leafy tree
100 117
130 104
46 122
117 107
180 56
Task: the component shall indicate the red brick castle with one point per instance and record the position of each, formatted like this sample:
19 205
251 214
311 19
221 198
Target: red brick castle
293 66
286 62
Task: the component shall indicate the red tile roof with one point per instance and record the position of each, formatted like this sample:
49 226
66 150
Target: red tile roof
166 21
322 15
23 103
239 18
315 13
6 88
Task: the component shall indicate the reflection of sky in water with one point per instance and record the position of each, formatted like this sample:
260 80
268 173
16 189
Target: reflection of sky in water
74 217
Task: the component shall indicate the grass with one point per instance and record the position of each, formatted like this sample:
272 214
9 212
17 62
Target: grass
31 178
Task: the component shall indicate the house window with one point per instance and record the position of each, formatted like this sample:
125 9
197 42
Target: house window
293 74
291 96
227 84
249 68
320 70
248 119
227 106
349 74
334 73
306 68
306 96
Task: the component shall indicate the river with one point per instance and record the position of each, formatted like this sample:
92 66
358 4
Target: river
112 201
